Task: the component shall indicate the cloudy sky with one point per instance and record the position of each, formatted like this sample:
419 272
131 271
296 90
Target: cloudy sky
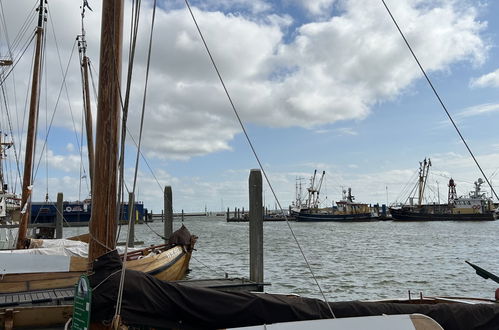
324 84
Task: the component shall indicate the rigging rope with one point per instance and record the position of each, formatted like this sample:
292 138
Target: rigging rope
131 207
131 56
438 97
255 154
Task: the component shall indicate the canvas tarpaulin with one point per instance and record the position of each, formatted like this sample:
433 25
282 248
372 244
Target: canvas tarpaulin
151 302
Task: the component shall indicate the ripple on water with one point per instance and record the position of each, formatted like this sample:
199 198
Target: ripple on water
351 261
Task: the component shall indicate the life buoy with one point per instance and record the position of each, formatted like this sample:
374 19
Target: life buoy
68 209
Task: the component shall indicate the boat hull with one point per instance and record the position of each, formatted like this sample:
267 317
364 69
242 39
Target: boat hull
408 215
318 217
169 265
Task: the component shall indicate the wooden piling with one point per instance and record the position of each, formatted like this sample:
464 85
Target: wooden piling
168 213
132 218
59 217
256 226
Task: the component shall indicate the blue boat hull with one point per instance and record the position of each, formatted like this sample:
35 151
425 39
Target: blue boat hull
317 217
75 213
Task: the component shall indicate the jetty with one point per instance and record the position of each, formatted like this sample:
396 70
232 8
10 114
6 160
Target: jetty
239 215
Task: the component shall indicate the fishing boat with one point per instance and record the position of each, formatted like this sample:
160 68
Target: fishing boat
475 206
51 264
345 210
77 213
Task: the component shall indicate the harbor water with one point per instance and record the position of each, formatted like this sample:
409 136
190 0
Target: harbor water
369 260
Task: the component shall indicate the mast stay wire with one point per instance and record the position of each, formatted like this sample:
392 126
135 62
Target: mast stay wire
131 207
256 155
17 43
134 26
438 97
55 108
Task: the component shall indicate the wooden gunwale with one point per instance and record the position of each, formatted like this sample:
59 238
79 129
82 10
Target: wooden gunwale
168 265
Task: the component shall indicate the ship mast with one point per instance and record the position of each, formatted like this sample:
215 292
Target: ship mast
32 125
103 222
424 168
85 63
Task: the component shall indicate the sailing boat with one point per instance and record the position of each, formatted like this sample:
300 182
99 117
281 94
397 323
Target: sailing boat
36 269
476 206
149 303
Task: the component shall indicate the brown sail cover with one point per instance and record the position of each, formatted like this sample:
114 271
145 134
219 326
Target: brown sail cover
154 303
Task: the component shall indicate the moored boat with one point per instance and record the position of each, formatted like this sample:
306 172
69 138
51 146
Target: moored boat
475 206
346 210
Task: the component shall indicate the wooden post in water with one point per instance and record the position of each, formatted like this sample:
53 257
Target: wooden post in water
256 226
59 217
104 187
132 218
168 212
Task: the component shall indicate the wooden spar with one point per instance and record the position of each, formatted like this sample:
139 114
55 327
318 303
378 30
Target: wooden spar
82 43
103 223
88 120
31 136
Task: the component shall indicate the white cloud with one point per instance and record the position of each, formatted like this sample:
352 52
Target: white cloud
317 7
347 131
327 71
488 80
478 110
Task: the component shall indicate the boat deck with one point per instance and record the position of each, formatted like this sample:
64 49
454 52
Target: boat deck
51 297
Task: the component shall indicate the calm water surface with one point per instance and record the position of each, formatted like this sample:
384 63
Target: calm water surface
371 260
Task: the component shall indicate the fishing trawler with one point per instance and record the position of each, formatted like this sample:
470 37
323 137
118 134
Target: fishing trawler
475 206
345 210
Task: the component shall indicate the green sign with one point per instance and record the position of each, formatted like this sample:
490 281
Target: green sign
81 305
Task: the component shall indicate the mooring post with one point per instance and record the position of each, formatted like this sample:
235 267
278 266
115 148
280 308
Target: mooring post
59 218
131 218
168 213
256 226
228 214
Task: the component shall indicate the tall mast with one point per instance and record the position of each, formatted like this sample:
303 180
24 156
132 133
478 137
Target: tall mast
424 169
103 223
82 43
32 125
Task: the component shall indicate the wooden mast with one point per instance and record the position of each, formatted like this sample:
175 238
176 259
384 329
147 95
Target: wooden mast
32 125
86 100
103 223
